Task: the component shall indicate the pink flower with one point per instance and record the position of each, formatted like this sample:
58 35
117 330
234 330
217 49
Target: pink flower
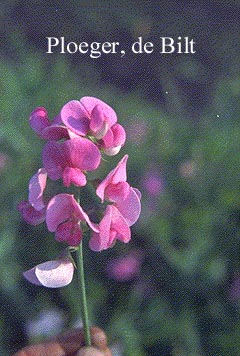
91 116
52 274
125 268
37 185
40 123
88 116
118 216
33 211
68 160
112 227
31 215
113 141
63 216
114 188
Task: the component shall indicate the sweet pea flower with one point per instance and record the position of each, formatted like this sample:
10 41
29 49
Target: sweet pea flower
88 116
51 274
113 141
40 123
37 185
115 189
31 215
33 211
112 227
63 216
68 160
120 215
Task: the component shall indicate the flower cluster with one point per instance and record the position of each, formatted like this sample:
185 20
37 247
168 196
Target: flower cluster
76 139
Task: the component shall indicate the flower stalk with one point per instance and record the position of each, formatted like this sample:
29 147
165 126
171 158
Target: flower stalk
83 297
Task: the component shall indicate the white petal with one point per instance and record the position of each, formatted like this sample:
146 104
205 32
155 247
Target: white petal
51 274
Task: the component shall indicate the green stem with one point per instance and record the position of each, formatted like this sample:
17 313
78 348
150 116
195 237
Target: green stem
83 297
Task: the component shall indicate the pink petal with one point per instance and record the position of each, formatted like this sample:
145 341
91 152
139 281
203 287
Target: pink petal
37 185
108 139
82 153
97 118
117 175
54 160
78 153
75 117
73 176
95 242
60 208
63 207
51 274
139 194
117 192
113 140
89 104
69 232
99 241
55 132
112 151
39 120
111 228
120 225
130 207
31 215
119 135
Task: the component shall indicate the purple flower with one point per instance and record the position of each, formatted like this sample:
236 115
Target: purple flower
40 123
112 227
63 216
69 159
120 215
88 116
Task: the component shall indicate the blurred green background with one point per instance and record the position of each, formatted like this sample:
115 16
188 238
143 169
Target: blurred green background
181 114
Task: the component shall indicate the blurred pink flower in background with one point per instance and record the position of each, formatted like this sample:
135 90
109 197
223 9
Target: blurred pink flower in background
152 183
125 268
